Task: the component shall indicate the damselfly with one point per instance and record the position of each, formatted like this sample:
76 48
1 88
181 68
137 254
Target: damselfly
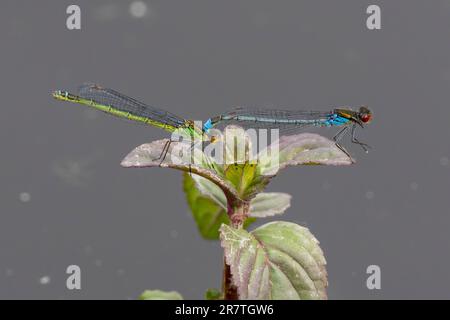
289 121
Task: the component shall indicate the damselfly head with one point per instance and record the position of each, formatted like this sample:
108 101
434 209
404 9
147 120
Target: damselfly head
364 114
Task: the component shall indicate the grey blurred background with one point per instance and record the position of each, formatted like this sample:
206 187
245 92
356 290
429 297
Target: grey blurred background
64 199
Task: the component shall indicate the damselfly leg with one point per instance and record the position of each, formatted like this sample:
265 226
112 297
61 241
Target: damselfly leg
164 151
166 148
338 136
365 146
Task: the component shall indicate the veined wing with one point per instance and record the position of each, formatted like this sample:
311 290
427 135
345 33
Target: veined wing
123 103
287 121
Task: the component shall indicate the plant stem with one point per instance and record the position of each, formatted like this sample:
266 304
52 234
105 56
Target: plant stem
237 215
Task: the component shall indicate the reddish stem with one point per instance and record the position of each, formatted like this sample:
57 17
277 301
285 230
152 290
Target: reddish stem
228 288
237 215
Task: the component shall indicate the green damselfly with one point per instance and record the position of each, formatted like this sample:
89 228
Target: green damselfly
120 105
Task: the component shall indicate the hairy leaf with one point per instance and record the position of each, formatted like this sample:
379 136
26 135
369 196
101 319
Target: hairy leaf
279 260
242 179
301 149
208 214
208 206
268 204
150 155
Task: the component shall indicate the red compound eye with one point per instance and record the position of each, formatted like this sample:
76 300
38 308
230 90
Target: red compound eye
366 117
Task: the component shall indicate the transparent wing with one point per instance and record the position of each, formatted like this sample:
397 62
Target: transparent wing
287 121
109 97
275 114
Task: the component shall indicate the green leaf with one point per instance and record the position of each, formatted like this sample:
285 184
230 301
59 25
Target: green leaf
148 155
279 260
268 204
301 149
244 173
160 295
246 179
209 189
208 205
213 294
209 214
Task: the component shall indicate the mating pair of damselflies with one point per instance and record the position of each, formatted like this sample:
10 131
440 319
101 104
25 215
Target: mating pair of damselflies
287 121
